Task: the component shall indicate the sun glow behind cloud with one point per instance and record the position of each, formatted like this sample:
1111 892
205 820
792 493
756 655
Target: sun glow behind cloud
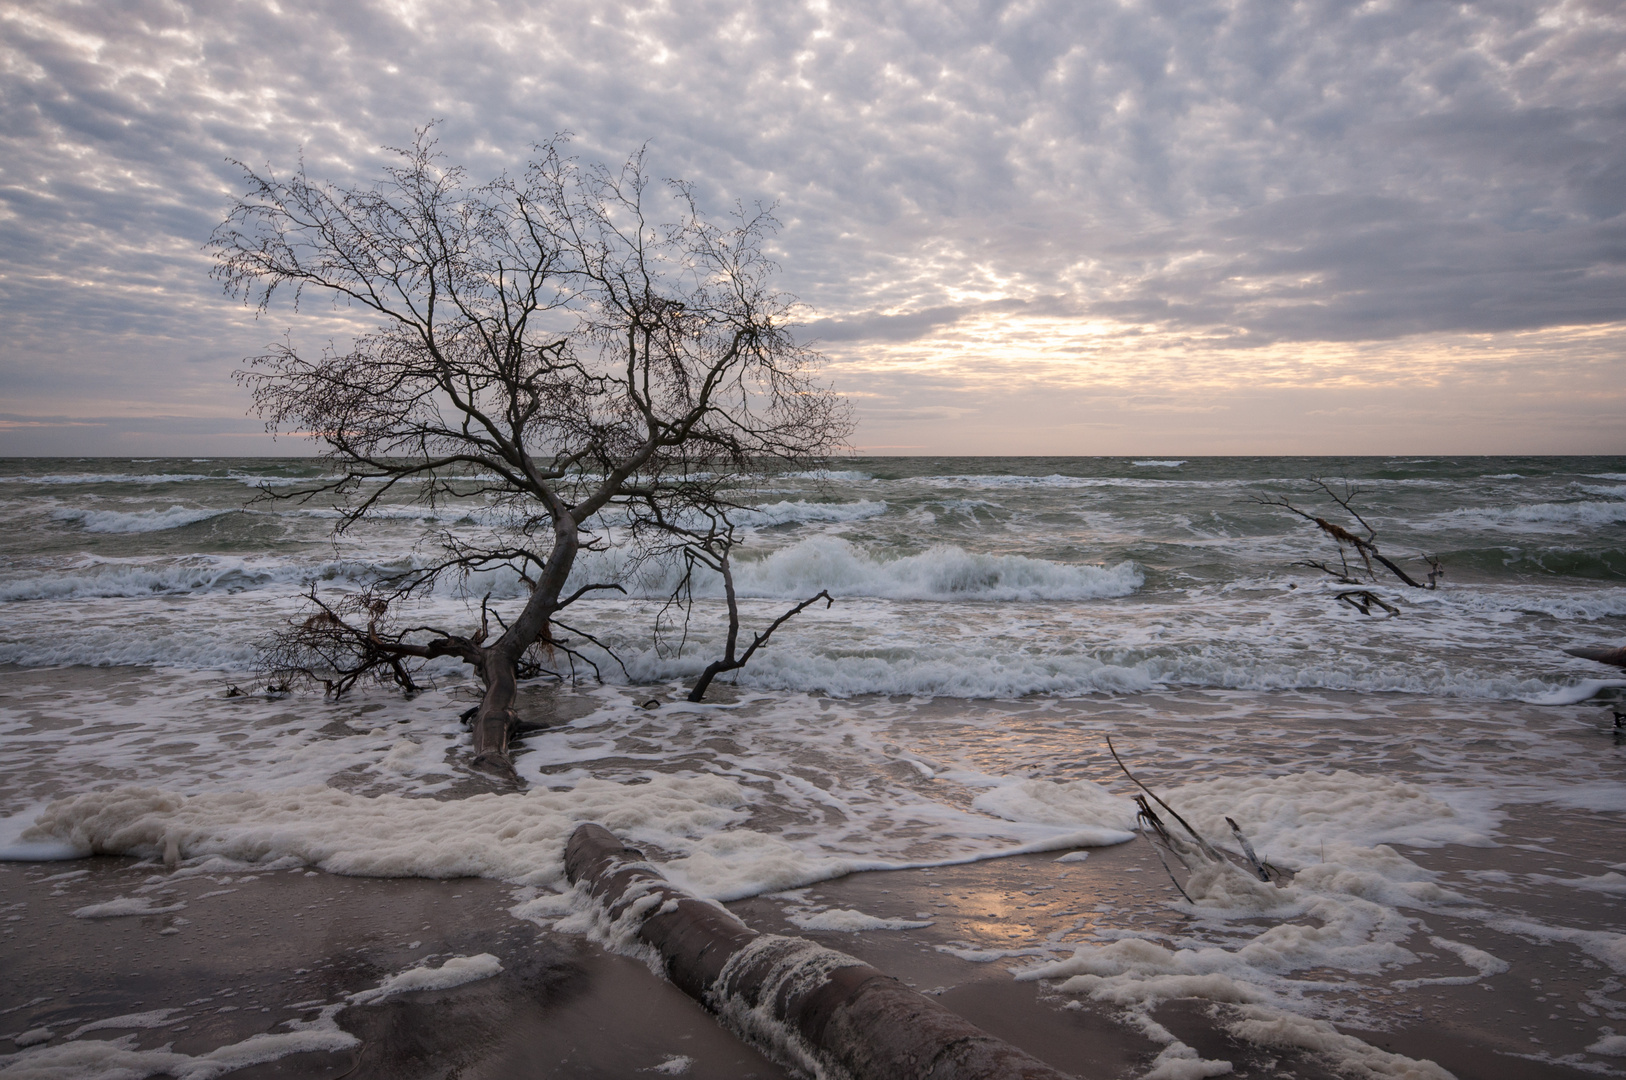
1022 384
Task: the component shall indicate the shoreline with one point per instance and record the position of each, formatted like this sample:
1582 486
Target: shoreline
274 945
297 936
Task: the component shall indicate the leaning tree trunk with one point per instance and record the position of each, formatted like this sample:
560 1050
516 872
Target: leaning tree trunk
496 720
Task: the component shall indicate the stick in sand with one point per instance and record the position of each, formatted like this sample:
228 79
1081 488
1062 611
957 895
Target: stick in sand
1208 849
1247 849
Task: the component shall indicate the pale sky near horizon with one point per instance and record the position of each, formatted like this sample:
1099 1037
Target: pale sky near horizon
1042 227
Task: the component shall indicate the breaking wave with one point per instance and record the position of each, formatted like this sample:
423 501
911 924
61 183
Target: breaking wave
1588 514
787 513
107 478
943 572
138 521
979 670
829 475
114 578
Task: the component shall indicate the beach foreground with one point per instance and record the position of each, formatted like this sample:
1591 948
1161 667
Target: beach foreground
240 955
1491 944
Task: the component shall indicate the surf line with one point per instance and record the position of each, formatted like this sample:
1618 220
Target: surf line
804 1004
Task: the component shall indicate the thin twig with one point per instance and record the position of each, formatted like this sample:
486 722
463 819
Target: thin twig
1208 848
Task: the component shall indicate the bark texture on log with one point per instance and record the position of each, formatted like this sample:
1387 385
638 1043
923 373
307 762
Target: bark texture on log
812 1007
1616 657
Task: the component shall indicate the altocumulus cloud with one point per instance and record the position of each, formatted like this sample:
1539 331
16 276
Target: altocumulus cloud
1246 174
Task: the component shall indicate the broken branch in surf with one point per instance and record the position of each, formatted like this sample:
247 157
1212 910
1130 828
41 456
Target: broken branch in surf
1358 541
1197 853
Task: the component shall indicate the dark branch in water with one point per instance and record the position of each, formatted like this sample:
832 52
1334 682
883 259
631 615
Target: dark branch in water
1247 849
1349 542
341 643
1363 600
1166 843
729 661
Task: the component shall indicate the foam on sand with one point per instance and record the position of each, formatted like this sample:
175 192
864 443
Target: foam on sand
699 820
515 837
1343 912
125 905
151 1019
1292 819
1076 803
848 921
120 1059
1272 1027
454 972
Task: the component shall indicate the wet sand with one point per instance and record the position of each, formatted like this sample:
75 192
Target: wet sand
245 955
248 952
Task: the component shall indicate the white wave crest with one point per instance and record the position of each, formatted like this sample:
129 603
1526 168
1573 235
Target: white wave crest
1589 514
112 578
137 521
829 475
1160 464
827 659
107 478
1018 481
786 512
1568 605
943 572
253 481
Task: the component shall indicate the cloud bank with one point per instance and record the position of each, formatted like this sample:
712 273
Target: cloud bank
977 197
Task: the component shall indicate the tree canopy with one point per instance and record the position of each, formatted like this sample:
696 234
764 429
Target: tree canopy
571 344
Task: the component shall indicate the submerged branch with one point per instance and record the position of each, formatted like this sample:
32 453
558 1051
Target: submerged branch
1347 541
731 663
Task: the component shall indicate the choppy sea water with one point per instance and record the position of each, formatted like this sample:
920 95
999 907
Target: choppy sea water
995 619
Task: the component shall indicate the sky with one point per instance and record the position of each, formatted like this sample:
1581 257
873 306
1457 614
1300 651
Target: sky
1040 227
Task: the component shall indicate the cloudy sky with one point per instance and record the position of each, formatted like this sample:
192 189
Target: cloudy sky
1047 226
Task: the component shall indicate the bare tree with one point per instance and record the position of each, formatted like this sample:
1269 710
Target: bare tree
550 343
1362 546
701 536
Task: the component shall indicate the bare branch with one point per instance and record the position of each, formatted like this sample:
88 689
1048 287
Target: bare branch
1347 541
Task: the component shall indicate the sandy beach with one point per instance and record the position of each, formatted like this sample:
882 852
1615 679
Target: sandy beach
239 954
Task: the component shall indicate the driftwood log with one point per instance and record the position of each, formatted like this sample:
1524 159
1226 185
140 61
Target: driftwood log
810 1007
1616 657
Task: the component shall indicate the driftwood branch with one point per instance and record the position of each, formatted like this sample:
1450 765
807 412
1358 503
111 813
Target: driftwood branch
1364 600
1360 541
729 661
351 639
1207 848
1165 843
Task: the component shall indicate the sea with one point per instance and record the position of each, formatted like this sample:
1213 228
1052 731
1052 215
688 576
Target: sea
1436 759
